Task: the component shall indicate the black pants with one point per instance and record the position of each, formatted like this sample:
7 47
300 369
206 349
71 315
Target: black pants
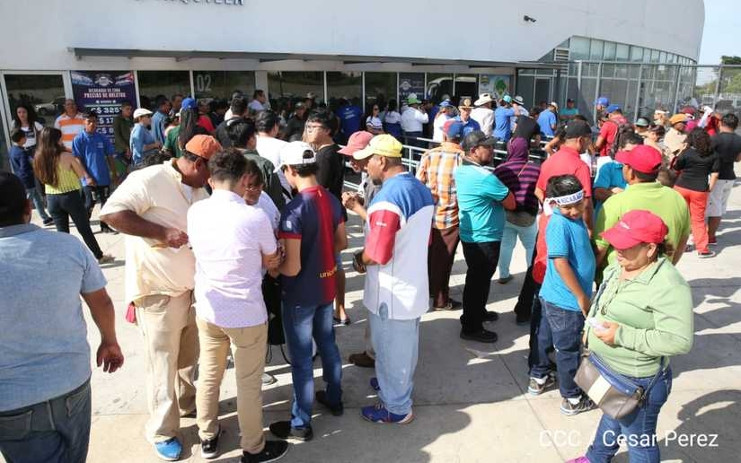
64 206
529 291
481 259
95 194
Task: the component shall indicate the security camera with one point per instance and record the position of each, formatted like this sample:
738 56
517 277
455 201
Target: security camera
527 18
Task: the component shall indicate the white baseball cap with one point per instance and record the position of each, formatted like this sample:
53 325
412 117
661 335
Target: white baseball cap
297 153
139 112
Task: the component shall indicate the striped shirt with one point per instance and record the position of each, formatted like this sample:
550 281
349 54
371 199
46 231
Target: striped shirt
70 127
436 171
520 176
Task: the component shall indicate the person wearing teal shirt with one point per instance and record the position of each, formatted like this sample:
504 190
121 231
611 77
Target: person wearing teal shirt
482 199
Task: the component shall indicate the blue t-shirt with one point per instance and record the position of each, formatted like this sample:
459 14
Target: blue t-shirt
502 125
609 176
469 126
570 239
91 149
350 118
140 136
312 216
158 127
480 211
547 120
44 344
20 161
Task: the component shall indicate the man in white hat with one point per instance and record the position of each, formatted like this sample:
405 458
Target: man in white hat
412 119
518 103
142 141
483 114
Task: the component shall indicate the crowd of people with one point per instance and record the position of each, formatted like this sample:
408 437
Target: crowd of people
235 229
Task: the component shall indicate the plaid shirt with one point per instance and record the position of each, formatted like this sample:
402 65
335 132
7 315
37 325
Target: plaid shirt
436 172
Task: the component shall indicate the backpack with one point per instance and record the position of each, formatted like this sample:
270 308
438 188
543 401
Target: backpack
622 130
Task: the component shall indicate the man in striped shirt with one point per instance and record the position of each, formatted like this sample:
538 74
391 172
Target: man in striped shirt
71 122
436 172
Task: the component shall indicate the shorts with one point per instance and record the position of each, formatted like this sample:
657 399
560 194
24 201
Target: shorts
718 199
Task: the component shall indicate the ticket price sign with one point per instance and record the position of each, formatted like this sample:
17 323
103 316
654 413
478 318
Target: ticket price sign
103 92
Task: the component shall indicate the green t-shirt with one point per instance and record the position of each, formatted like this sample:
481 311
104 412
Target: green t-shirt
652 196
171 142
654 311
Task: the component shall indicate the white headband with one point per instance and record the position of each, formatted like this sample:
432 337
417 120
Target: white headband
568 199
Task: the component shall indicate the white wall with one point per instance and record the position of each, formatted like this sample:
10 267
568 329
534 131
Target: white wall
37 34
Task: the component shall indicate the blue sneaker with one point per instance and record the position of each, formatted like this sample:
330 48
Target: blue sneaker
169 450
374 384
378 414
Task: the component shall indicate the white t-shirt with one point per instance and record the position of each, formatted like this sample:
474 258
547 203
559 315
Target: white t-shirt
229 239
374 123
256 106
392 117
412 120
485 118
268 207
437 126
31 135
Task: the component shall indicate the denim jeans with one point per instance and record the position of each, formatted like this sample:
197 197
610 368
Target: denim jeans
95 194
301 324
396 343
564 328
481 259
66 205
638 429
38 202
55 431
527 237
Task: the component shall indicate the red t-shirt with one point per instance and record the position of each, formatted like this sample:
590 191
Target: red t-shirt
566 161
608 132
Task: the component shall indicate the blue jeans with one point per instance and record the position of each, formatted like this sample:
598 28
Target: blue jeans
509 240
55 431
301 324
38 203
564 328
396 343
638 429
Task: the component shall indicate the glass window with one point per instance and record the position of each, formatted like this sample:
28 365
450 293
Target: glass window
579 48
623 52
347 85
654 56
380 87
438 86
294 86
44 93
564 44
221 84
167 83
466 86
636 53
595 50
610 48
662 57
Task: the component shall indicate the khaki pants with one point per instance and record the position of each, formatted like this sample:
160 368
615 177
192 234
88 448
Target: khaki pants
171 339
249 346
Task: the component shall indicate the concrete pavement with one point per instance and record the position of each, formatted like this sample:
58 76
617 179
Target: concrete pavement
471 399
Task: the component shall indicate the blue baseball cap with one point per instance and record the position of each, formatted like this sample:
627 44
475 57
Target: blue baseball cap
453 129
189 103
507 99
445 104
602 101
612 108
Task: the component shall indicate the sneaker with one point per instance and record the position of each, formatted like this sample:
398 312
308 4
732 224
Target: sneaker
705 254
106 259
48 221
274 450
491 316
536 388
169 450
378 414
210 447
522 320
284 430
481 336
268 379
341 321
362 360
579 460
505 280
321 397
713 242
374 384
585 404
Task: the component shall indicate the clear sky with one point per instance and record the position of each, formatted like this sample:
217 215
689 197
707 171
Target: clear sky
720 36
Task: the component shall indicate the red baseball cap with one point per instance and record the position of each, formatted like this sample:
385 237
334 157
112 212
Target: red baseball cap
642 158
356 142
636 227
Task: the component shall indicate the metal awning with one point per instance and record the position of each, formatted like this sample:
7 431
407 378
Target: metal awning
183 55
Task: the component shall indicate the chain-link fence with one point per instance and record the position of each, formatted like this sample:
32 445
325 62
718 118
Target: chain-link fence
639 88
